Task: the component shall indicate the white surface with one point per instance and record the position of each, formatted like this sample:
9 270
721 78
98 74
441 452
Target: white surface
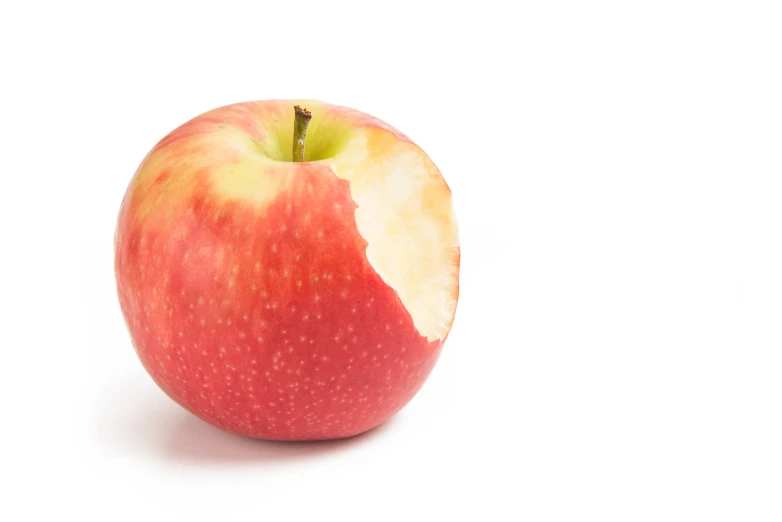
616 166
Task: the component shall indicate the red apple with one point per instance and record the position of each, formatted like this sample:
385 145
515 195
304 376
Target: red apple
280 299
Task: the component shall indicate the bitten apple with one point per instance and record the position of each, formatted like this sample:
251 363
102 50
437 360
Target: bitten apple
285 299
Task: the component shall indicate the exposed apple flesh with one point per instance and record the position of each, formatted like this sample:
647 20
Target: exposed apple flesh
288 300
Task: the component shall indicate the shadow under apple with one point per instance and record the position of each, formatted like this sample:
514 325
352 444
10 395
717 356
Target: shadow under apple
150 425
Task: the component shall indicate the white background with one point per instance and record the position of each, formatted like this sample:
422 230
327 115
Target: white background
616 167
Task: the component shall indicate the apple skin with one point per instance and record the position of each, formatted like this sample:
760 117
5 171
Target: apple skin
264 320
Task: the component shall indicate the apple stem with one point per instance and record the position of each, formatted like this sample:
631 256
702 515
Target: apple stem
303 117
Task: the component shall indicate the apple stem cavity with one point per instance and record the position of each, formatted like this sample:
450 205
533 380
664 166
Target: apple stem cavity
303 117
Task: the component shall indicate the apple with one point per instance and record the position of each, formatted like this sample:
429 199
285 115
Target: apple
286 278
